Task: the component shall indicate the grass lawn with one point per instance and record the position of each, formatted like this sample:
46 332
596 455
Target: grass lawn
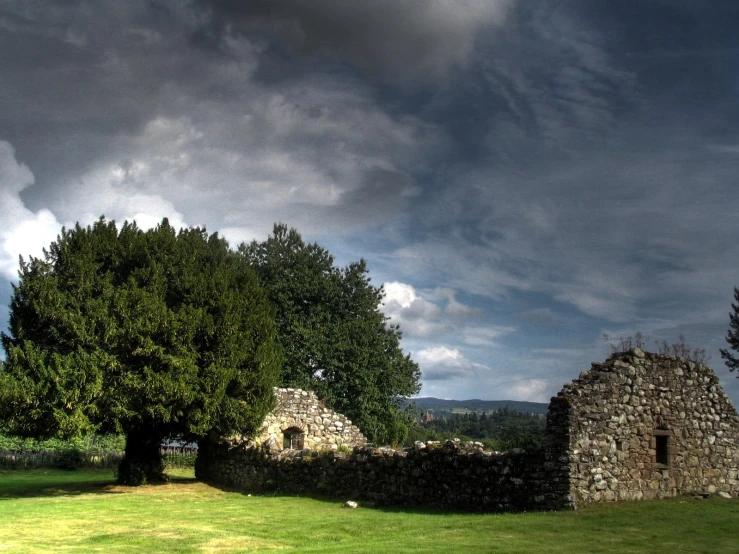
55 511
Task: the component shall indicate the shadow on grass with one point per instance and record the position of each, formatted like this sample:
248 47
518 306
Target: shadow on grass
54 483
637 510
430 510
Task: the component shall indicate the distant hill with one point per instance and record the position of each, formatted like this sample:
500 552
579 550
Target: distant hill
475 405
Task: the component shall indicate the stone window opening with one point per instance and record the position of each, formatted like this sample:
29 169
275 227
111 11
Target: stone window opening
662 447
293 438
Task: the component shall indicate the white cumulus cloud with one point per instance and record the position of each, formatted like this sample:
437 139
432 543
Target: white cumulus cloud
422 318
448 373
444 363
455 308
417 317
104 190
22 231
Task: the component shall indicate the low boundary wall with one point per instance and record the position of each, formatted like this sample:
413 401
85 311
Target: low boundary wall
637 426
451 475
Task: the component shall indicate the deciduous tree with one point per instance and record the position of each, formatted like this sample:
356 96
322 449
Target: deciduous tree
334 337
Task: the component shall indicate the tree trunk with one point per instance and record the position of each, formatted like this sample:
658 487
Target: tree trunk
142 462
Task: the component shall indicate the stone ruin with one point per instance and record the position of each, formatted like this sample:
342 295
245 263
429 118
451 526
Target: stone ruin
301 421
636 426
644 425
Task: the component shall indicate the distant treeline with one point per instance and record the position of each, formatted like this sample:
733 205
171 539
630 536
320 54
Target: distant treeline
439 405
500 430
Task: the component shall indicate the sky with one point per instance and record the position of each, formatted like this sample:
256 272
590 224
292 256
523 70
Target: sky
523 176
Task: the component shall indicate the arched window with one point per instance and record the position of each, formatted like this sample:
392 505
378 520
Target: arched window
293 438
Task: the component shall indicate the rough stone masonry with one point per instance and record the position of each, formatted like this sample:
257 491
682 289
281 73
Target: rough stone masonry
301 421
644 425
636 426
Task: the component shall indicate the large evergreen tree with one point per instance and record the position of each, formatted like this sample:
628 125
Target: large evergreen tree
334 338
732 336
151 334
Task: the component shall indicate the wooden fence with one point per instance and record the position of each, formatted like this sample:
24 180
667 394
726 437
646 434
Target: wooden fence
15 459
179 457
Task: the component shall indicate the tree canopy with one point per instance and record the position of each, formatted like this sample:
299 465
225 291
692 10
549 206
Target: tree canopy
151 334
732 336
334 338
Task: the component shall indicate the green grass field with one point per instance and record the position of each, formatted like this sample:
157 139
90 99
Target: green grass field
55 511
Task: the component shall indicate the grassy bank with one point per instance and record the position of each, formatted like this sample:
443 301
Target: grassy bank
82 511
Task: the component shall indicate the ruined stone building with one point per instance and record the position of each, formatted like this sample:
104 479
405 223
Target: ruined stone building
636 426
301 421
644 425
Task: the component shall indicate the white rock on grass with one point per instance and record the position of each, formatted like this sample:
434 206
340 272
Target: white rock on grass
350 504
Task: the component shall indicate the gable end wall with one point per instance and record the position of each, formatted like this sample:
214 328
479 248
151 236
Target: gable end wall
609 419
323 429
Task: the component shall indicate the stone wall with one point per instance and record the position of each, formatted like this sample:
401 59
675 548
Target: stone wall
300 420
644 425
637 426
453 475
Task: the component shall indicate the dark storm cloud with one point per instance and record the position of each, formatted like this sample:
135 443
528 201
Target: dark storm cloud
379 191
76 75
566 166
116 105
684 48
587 180
400 38
642 234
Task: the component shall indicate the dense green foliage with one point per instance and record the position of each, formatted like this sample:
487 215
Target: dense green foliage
334 338
151 334
732 336
52 511
498 430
